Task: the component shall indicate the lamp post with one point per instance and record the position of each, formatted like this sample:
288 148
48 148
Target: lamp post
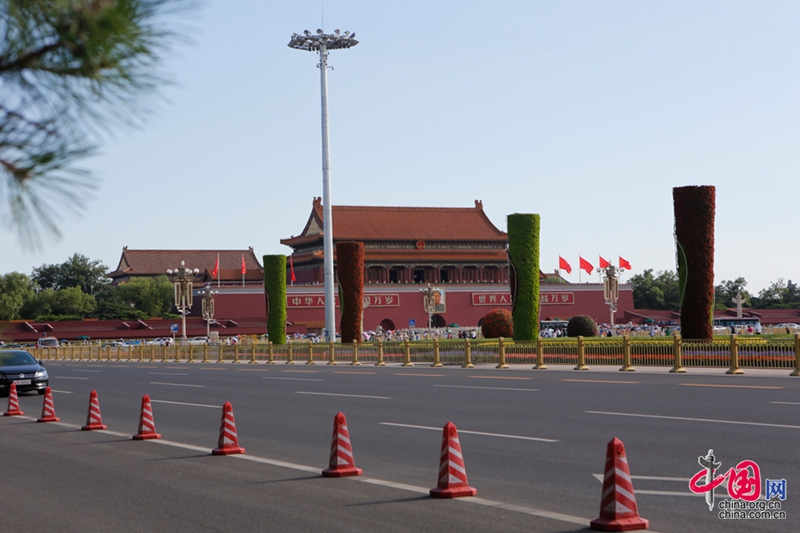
208 309
183 279
429 302
611 289
322 42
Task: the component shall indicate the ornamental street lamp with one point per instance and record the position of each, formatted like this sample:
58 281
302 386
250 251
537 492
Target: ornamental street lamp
208 308
183 278
429 301
611 288
322 42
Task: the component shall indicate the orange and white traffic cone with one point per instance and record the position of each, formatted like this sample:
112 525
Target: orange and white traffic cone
228 441
93 418
48 408
452 473
13 402
147 426
342 463
618 511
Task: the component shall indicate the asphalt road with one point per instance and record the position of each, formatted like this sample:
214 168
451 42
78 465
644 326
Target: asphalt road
534 444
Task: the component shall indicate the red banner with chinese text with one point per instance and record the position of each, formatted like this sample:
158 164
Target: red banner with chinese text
504 298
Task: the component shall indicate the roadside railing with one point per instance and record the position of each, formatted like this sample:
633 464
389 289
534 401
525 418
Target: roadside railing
733 352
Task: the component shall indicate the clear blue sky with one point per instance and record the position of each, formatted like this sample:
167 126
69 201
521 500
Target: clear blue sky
586 112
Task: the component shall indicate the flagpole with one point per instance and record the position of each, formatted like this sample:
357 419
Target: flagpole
218 269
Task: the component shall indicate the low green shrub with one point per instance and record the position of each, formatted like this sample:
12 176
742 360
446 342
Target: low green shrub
581 326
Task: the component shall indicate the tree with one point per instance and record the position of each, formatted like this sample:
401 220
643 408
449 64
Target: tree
69 69
69 303
111 307
15 291
725 292
77 271
779 294
658 291
153 296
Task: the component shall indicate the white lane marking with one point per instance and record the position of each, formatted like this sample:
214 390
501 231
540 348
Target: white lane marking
500 377
625 382
787 403
293 379
697 419
345 395
176 384
528 510
719 491
469 432
486 388
61 391
167 374
599 478
95 371
674 493
186 403
68 377
372 481
728 386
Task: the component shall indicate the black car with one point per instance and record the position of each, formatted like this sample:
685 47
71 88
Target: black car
20 367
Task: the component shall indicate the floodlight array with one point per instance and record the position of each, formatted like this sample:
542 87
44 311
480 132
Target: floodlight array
331 41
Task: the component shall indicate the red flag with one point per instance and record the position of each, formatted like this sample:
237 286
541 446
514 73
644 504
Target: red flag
291 267
215 272
586 265
624 264
244 268
604 263
562 263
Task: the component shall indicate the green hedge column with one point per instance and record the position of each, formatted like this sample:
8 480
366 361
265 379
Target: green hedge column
523 252
350 271
275 287
694 240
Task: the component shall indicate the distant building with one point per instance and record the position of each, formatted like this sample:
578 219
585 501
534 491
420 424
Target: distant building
441 245
152 263
456 250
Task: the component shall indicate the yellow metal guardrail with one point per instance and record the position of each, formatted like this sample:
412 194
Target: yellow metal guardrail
734 352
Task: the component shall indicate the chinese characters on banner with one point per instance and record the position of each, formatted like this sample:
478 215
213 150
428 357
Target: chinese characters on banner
382 300
318 300
504 298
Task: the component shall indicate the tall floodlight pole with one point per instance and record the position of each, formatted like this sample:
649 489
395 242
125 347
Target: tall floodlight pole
322 42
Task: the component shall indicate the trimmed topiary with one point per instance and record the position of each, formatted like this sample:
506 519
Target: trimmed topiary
581 326
350 271
497 323
523 254
694 242
275 288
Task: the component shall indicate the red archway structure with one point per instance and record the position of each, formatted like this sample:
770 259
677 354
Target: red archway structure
387 325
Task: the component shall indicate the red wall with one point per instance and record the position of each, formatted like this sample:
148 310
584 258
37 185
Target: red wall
460 309
243 311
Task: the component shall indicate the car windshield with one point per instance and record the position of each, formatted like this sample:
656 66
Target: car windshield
16 358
